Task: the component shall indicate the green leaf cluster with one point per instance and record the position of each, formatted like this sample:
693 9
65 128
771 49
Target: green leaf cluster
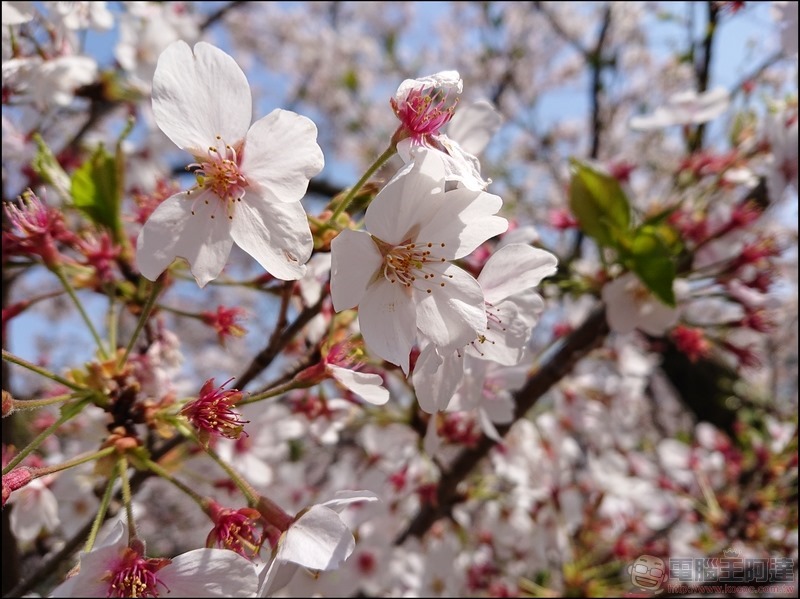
604 213
96 192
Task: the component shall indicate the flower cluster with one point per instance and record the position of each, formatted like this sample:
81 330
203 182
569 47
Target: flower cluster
536 344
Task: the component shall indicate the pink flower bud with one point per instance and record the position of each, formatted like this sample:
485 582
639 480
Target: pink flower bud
16 479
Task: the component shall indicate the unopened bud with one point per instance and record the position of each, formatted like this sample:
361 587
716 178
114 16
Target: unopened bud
16 479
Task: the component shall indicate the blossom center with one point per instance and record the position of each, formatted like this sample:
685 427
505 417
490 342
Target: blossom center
494 322
424 111
136 576
411 264
219 172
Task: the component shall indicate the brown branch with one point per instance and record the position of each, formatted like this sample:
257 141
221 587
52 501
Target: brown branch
574 347
703 70
278 342
218 14
559 29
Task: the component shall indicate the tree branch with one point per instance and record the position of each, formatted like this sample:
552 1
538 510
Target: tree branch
573 348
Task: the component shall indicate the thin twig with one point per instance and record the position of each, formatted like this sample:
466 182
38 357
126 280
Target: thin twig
277 343
221 12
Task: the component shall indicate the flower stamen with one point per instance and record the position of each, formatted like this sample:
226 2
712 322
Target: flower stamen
411 262
219 173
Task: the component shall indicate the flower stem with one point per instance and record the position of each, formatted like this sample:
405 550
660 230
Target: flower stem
59 272
30 404
388 153
9 357
274 392
159 471
122 470
76 461
178 312
101 513
148 308
67 413
248 491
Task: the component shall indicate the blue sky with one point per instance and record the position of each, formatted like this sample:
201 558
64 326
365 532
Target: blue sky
736 52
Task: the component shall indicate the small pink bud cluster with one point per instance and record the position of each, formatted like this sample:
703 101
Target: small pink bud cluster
226 322
212 413
35 230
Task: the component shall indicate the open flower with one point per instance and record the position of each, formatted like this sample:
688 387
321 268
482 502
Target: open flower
400 274
508 280
116 568
249 178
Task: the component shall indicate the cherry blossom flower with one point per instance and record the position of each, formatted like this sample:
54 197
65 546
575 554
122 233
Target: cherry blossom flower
424 106
685 108
400 272
629 306
512 308
35 510
49 83
115 568
317 538
249 178
235 529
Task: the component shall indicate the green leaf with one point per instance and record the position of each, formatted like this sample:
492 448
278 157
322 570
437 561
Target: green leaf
600 205
651 260
96 191
46 165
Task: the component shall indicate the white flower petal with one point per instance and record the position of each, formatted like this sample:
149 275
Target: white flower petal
407 201
453 315
281 154
354 261
436 378
464 219
515 268
203 239
459 165
275 576
343 499
488 427
387 319
367 386
448 81
199 95
629 305
474 125
16 13
318 540
91 580
276 235
210 573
